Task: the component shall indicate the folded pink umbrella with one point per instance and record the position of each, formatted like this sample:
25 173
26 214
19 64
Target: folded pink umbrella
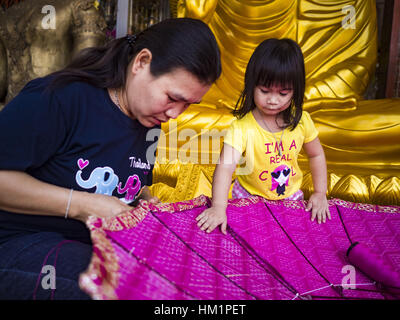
374 266
272 251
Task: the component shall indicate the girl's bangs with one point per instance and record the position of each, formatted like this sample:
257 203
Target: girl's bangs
276 73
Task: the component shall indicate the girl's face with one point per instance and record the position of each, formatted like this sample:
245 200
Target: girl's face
153 100
272 100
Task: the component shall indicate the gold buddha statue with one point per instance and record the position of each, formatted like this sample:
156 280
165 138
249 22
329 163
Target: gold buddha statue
339 43
38 37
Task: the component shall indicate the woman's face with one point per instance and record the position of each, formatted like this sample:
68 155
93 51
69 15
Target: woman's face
273 99
153 100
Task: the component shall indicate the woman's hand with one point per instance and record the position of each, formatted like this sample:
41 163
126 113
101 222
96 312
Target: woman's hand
212 218
153 200
319 205
84 204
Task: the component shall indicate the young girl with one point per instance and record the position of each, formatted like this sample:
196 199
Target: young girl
270 130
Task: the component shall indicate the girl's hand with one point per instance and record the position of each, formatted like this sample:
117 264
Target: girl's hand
212 218
319 205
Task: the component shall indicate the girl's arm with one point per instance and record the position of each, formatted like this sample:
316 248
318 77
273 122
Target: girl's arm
222 179
318 202
22 193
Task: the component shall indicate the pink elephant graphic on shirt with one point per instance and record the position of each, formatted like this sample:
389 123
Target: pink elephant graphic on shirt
132 187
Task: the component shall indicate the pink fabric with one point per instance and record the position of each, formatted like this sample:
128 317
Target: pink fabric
272 251
238 192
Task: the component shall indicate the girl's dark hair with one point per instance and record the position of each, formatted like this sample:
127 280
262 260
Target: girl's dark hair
275 62
174 43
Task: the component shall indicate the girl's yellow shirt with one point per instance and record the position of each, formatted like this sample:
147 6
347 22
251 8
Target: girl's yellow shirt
261 170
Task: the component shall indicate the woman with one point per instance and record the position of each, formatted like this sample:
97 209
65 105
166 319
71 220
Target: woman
73 144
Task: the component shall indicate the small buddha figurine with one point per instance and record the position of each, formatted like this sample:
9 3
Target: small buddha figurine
38 37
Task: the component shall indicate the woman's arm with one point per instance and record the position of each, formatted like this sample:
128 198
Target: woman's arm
318 202
22 193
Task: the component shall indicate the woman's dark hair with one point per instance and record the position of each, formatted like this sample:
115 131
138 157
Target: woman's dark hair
174 43
275 62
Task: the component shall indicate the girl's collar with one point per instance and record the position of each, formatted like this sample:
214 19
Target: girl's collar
253 117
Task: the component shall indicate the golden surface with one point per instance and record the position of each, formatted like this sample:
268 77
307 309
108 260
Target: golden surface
339 62
29 49
360 137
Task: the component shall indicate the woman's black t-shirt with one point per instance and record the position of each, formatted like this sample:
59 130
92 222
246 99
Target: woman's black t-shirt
72 137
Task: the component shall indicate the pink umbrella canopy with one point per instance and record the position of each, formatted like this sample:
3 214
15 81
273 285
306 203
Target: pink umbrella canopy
272 251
